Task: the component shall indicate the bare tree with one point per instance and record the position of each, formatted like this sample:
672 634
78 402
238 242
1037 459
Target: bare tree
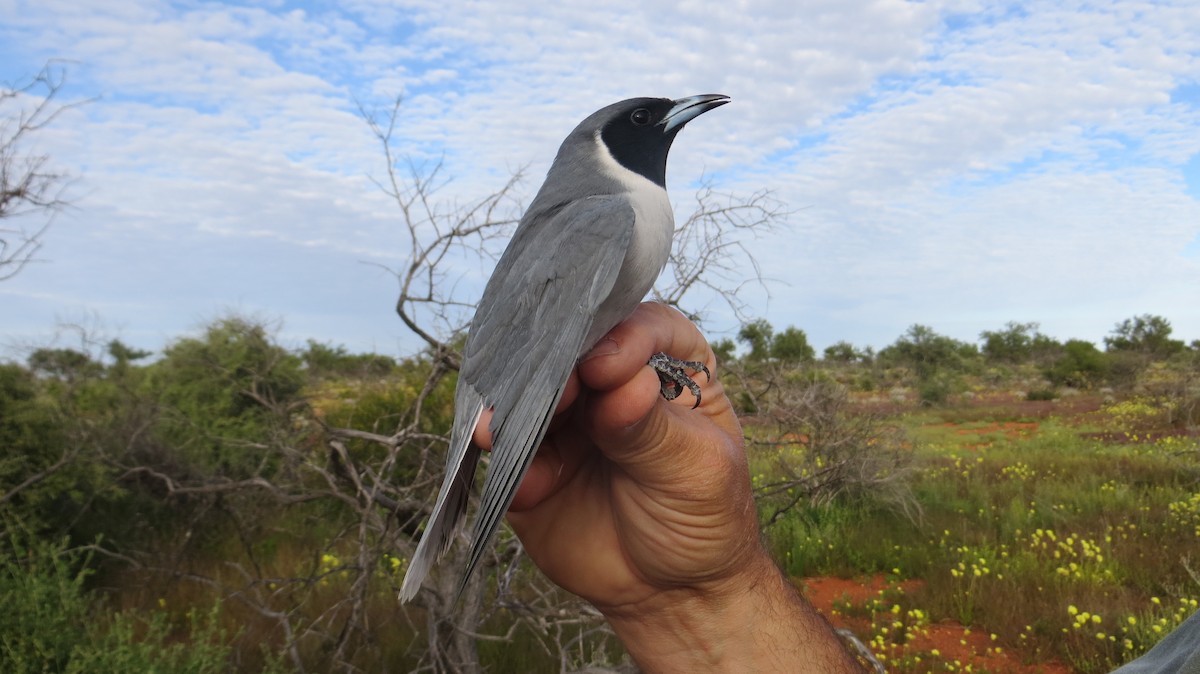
824 449
709 249
29 186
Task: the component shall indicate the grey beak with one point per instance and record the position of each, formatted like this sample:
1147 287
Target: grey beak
687 109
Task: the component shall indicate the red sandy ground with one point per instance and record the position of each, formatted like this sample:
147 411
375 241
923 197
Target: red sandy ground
1010 429
951 640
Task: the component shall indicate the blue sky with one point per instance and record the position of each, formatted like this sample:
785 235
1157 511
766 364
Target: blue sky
952 163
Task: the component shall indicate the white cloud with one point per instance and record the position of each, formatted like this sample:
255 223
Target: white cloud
950 163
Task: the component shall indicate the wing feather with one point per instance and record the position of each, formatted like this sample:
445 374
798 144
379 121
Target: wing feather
528 331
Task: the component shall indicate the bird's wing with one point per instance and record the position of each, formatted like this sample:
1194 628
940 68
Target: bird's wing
527 333
526 341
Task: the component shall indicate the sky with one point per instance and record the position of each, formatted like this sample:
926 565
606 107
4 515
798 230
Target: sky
952 163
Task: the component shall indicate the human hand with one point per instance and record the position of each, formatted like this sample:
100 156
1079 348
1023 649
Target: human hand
630 495
643 507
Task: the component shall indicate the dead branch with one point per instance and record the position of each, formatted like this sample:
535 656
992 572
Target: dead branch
428 303
28 184
709 248
824 450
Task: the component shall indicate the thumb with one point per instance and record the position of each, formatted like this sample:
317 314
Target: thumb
666 446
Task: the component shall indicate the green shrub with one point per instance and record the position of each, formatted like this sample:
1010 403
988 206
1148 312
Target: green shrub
45 615
935 390
133 642
52 623
927 353
223 392
33 440
1082 365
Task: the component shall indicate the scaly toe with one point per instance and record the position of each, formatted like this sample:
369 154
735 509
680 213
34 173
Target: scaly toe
673 377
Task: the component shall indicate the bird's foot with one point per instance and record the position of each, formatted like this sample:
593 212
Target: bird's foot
673 377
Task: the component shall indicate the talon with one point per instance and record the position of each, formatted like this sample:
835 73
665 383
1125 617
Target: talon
673 377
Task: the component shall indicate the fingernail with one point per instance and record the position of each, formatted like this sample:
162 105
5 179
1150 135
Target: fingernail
605 347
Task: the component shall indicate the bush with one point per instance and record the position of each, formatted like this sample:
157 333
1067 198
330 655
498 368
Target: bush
48 467
116 647
1146 334
824 450
31 437
45 615
1016 343
927 353
1082 365
223 394
330 362
791 347
936 390
845 352
1177 384
52 623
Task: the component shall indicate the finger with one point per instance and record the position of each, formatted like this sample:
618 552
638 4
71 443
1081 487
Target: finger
541 480
633 424
482 436
651 329
557 461
662 444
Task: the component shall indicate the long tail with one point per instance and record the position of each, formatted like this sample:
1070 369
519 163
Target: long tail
508 468
451 507
524 419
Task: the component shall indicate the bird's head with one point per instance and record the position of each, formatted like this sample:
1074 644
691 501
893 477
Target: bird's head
638 132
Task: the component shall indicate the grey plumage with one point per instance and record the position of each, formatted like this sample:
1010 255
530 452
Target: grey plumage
584 255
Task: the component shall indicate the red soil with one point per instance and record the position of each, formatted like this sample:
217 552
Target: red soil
952 641
1011 429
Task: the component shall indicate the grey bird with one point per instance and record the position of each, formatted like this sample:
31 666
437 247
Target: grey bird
583 257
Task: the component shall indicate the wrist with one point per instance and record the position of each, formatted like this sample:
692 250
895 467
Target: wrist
754 621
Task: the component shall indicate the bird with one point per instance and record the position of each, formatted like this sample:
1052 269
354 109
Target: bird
584 255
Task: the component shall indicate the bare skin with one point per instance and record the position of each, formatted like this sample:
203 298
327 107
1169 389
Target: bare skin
643 507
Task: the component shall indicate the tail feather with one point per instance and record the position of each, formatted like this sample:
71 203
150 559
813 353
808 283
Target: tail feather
521 430
450 509
508 476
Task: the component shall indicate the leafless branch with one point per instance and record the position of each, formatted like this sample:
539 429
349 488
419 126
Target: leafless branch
440 236
28 184
824 449
710 248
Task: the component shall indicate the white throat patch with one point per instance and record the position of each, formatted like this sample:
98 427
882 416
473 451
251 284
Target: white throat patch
649 249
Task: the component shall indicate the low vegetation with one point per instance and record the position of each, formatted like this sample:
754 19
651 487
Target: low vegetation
231 504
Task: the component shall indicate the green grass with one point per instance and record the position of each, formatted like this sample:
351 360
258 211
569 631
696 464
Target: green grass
1020 526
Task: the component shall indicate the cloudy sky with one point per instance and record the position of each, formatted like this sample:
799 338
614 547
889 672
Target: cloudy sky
953 163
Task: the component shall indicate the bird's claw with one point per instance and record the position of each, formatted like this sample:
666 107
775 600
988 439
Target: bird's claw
673 377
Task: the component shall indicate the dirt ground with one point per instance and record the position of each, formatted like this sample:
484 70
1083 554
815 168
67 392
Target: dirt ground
951 641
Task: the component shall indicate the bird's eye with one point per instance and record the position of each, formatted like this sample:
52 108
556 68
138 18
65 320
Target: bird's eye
640 117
